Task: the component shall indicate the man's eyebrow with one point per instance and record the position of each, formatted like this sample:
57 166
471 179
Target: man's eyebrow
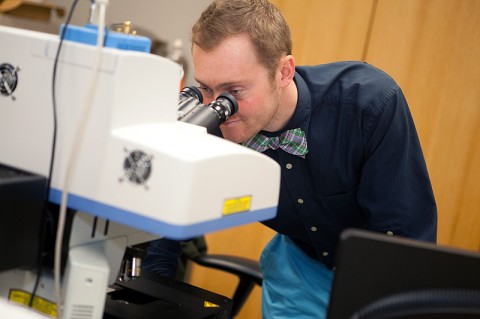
200 83
197 80
221 85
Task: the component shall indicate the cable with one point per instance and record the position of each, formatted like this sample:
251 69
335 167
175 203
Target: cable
76 144
52 157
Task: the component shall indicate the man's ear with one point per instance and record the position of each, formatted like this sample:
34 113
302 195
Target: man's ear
287 70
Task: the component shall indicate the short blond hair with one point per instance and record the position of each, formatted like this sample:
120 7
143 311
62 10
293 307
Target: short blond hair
259 19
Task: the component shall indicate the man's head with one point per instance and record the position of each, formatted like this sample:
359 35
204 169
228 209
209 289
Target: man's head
243 47
259 19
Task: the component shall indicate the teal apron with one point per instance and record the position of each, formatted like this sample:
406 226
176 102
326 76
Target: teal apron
294 285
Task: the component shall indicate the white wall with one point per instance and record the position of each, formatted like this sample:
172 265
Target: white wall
164 20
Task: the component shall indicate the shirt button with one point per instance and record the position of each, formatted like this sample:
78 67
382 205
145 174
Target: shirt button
390 233
313 228
300 201
325 253
289 166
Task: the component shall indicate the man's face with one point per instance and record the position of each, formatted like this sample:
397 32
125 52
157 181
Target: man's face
233 67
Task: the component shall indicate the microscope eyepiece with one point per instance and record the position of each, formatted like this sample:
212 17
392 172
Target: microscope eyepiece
190 97
211 116
190 91
225 105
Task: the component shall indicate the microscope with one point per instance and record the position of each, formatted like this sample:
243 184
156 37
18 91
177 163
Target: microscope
144 166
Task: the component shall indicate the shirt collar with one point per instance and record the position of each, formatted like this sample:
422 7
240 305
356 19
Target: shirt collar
303 109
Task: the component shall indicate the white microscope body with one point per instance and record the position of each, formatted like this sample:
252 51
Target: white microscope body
140 173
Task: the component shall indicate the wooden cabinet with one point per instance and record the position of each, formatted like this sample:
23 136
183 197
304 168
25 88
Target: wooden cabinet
432 47
325 31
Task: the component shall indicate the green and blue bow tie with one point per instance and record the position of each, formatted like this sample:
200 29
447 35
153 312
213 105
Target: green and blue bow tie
291 141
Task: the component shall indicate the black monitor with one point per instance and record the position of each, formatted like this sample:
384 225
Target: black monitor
21 206
385 277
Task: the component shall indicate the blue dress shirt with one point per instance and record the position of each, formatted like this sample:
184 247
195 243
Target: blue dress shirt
364 168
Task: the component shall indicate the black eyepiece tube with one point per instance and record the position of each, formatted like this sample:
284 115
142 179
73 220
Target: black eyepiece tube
190 91
189 98
232 103
213 115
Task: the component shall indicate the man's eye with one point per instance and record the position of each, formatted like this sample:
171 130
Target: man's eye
235 93
205 90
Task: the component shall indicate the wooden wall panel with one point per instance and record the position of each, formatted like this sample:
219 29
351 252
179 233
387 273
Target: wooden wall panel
325 31
431 47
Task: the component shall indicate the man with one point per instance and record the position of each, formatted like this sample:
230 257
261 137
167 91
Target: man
357 160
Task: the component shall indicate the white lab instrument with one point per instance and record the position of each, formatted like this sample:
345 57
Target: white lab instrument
139 170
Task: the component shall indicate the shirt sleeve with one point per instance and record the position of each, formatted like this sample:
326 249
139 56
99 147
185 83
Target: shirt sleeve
162 257
395 190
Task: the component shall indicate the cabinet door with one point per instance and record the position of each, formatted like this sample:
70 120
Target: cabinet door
432 47
325 31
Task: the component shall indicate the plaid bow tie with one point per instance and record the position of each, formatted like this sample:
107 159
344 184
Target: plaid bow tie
291 141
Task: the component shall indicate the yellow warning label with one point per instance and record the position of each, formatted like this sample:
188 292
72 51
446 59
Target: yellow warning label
237 205
208 304
39 304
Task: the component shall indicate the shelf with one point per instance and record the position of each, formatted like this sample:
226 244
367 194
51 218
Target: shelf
30 9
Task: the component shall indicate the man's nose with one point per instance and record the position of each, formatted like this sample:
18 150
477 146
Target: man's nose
215 95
